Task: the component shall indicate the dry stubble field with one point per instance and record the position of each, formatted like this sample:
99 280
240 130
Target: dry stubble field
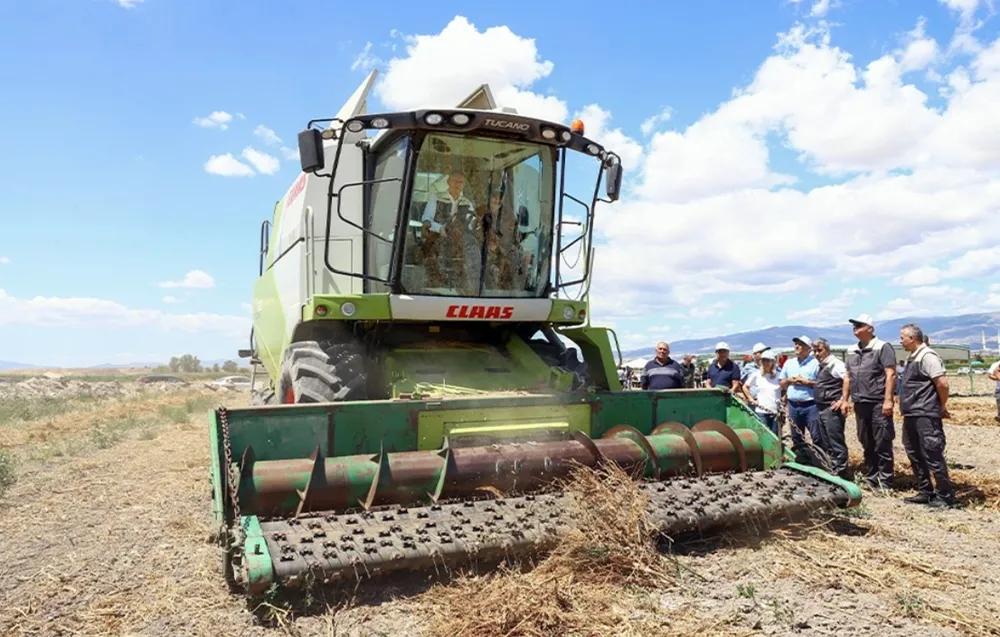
106 532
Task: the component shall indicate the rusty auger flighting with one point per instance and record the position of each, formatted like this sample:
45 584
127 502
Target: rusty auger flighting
426 391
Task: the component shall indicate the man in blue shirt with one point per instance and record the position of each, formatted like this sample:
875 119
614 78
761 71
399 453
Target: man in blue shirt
723 372
662 372
798 378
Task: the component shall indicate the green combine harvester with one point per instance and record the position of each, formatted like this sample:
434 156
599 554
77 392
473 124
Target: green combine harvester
415 319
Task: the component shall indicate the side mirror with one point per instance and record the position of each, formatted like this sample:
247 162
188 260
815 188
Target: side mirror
613 186
311 150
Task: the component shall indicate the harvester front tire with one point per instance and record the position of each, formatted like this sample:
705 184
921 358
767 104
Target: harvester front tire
259 398
322 372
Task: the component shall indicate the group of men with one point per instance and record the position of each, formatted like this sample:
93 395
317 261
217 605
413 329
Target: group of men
815 391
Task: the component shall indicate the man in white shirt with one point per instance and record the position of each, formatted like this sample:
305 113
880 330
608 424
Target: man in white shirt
441 209
995 375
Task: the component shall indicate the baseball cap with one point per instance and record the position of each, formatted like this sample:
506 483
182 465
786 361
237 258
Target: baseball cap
805 340
862 319
769 355
760 347
721 345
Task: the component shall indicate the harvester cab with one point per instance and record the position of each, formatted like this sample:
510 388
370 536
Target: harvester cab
429 373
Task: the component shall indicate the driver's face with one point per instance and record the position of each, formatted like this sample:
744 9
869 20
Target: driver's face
456 183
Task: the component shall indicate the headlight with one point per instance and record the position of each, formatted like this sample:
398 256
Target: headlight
355 126
348 309
593 149
460 119
380 122
434 119
568 313
548 133
566 136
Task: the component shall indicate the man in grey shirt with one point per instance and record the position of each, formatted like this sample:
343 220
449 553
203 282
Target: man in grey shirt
871 380
923 400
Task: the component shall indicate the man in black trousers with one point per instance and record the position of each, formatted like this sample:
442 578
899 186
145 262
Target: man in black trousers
923 400
871 372
832 403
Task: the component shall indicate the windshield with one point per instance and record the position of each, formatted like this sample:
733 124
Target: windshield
480 218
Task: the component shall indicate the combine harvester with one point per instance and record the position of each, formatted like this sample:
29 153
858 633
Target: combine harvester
412 315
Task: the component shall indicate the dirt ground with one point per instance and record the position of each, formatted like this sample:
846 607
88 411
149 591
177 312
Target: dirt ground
106 531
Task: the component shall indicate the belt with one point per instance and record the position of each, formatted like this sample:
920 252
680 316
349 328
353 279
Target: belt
799 403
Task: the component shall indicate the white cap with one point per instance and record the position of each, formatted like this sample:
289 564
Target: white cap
760 347
721 345
805 340
862 319
769 355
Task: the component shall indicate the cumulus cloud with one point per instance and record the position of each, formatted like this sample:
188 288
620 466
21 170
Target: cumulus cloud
267 135
217 119
365 61
264 163
916 183
227 166
74 312
441 69
650 123
597 122
193 279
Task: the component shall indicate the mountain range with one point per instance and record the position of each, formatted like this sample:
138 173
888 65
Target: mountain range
966 329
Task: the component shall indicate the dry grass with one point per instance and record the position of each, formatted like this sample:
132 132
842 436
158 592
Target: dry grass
592 583
919 587
973 489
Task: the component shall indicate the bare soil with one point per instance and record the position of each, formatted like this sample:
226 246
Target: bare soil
115 539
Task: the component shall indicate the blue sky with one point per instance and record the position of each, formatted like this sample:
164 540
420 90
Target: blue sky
775 191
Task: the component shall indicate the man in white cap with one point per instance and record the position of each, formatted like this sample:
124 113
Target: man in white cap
798 379
723 372
871 379
753 365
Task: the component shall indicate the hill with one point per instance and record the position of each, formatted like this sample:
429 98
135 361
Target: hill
12 365
966 329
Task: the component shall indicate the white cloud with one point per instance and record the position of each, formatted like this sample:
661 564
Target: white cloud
289 153
365 60
227 166
129 4
171 299
217 119
920 50
920 186
984 262
830 311
193 279
596 120
4 260
967 8
269 136
443 68
263 162
77 312
650 123
820 8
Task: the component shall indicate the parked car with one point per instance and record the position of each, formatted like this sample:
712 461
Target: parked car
236 382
